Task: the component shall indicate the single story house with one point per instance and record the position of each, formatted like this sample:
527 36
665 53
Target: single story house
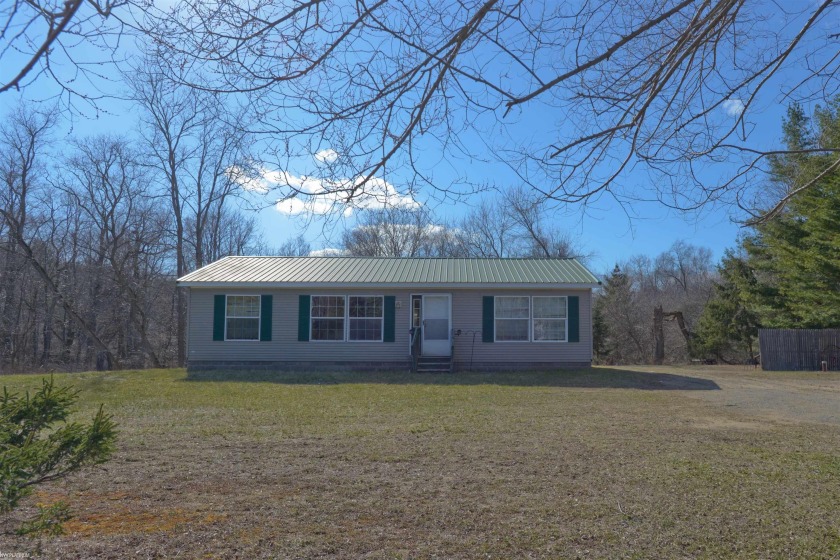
371 312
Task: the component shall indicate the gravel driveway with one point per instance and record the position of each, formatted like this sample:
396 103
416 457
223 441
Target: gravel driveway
794 397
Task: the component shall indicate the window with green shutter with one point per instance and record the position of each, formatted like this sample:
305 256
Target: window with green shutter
242 318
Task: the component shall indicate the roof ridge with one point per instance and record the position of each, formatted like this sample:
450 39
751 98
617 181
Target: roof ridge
400 258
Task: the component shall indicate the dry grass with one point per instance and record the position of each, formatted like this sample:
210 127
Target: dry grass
590 464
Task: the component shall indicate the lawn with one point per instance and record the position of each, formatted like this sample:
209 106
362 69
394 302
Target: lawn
597 463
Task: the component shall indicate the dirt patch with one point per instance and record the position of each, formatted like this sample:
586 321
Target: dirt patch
718 423
120 513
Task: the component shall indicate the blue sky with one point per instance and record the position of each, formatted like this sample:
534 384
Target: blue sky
604 228
611 232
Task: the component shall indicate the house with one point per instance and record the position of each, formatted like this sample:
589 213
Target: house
370 312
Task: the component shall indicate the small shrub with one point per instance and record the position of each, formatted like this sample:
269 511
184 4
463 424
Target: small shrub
38 444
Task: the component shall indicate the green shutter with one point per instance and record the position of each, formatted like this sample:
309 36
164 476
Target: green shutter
266 306
303 318
219 317
390 319
487 319
574 319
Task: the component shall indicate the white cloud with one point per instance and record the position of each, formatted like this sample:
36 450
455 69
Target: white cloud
327 252
326 156
301 194
251 184
733 107
313 195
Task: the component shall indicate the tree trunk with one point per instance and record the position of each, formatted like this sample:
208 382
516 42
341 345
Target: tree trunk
687 335
658 335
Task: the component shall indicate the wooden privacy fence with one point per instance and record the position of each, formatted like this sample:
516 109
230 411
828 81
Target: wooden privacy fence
799 349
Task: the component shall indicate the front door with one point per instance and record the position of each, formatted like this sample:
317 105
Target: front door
436 330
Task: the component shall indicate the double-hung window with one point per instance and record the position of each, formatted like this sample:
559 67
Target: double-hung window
353 318
549 319
242 318
365 315
511 315
328 317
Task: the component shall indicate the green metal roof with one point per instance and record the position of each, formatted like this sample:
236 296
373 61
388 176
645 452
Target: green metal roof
385 271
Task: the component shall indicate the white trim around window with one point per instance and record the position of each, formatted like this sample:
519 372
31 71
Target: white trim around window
539 322
328 304
368 320
556 314
243 311
514 313
345 318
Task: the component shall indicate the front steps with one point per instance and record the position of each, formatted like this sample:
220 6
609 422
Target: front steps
434 364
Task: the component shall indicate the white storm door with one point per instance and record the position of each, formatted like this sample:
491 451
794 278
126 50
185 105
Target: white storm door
436 330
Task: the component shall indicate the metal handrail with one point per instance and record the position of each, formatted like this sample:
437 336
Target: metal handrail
415 347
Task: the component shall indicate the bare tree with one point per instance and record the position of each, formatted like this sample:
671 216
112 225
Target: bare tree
515 224
197 158
23 141
398 232
672 287
651 306
489 231
88 245
66 43
571 96
294 247
125 228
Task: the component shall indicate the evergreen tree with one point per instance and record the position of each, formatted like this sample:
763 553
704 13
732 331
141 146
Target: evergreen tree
794 255
727 329
600 348
620 340
39 443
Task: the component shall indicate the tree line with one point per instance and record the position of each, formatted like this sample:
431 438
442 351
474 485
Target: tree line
783 273
95 230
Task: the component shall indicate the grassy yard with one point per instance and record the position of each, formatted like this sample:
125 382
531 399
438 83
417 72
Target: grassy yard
596 463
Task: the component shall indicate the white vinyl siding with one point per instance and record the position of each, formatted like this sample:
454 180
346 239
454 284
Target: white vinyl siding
242 318
466 317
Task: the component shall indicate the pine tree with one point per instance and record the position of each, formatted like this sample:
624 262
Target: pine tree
39 443
794 255
727 329
620 339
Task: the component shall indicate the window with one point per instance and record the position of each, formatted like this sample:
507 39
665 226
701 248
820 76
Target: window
242 318
512 314
549 322
327 317
366 314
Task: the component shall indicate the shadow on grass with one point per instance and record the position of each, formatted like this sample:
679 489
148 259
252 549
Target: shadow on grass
578 378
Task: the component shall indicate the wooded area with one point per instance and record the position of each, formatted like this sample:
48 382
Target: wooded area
94 234
95 229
